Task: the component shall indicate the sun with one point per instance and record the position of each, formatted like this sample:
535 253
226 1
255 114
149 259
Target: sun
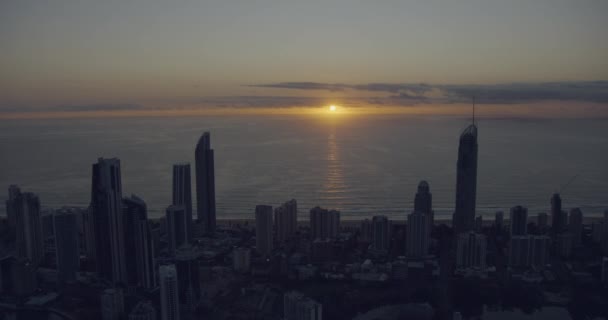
333 108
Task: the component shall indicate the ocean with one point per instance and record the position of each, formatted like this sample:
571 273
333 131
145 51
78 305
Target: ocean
360 165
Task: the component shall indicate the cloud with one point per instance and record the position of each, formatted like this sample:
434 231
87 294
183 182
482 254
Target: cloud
71 108
98 107
583 91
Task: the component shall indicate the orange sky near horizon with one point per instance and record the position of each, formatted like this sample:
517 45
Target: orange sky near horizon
555 109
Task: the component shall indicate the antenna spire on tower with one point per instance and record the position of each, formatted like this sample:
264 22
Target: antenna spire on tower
473 109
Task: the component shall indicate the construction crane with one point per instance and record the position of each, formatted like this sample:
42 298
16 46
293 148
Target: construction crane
567 184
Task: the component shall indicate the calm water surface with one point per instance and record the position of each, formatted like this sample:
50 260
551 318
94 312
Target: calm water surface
359 165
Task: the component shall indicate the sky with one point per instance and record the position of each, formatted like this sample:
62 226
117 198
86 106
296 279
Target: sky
83 56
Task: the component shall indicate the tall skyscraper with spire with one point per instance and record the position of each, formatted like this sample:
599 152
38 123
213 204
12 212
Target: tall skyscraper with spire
205 183
182 192
466 180
106 209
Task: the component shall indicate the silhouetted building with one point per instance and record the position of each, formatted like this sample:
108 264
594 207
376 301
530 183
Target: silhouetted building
112 304
519 251
177 229
296 306
188 278
263 229
205 183
605 270
322 250
563 244
381 233
88 236
519 221
499 220
471 250
17 277
423 202
182 193
144 310
558 221
106 209
286 220
169 300
66 246
241 260
366 231
528 251
540 250
11 207
575 226
324 224
417 235
600 232
478 224
542 221
26 210
466 181
139 244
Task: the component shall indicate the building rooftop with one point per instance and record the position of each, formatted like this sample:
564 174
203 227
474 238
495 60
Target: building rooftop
471 130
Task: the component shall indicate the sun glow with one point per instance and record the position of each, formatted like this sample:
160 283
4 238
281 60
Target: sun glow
333 108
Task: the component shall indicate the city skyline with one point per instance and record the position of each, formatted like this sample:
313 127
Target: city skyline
138 251
304 160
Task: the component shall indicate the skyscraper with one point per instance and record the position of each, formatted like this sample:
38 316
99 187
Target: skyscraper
286 220
466 181
88 236
66 246
296 306
26 210
324 224
417 236
478 224
604 277
139 244
424 199
177 230
519 221
205 183
381 233
188 278
540 250
366 230
575 226
471 250
106 208
263 229
499 220
423 202
169 301
182 192
542 220
11 214
519 250
557 220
